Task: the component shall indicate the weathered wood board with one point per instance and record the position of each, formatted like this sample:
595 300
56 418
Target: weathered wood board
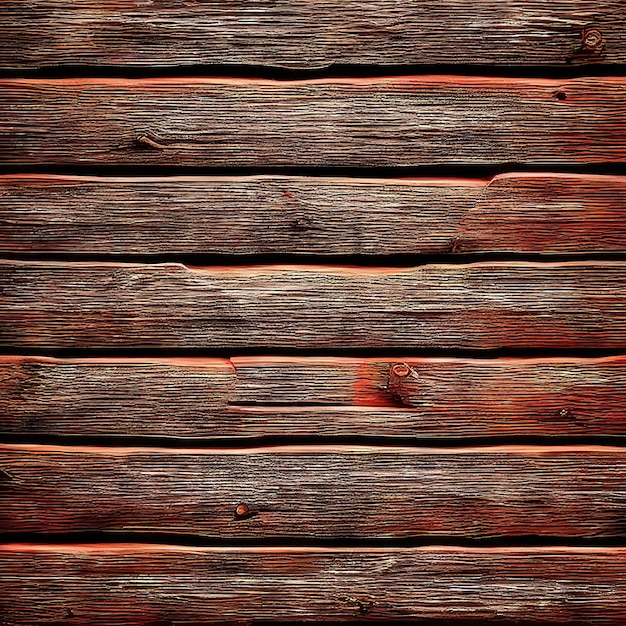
395 121
531 212
155 584
259 397
316 491
211 451
480 305
314 33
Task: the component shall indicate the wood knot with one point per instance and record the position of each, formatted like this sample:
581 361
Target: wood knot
302 224
566 414
592 40
365 606
146 141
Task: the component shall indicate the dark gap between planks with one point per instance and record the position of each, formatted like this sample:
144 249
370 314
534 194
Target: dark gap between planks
573 70
387 354
493 621
485 171
361 260
242 443
104 537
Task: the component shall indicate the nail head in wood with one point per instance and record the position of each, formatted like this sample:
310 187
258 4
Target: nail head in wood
242 511
401 369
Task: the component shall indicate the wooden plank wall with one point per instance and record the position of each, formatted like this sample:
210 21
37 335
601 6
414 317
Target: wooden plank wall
312 311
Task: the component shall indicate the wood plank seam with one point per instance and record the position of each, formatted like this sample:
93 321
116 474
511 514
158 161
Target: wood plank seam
271 396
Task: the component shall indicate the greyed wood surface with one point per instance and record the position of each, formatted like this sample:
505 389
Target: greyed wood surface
395 121
529 212
260 397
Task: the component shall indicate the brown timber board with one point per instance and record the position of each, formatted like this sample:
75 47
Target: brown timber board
156 584
480 305
316 491
256 397
310 33
332 216
394 121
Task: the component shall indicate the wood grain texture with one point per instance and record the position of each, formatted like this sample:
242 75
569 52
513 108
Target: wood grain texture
397 121
305 34
324 491
155 584
481 305
257 397
331 216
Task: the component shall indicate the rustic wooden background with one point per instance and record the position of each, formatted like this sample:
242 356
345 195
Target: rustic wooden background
312 311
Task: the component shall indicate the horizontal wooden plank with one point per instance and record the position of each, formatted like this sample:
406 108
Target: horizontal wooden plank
396 121
308 491
256 397
157 584
316 33
481 305
331 216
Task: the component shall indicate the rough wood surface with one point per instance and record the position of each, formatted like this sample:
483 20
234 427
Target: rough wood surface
154 584
397 121
256 397
480 305
271 214
313 33
308 491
